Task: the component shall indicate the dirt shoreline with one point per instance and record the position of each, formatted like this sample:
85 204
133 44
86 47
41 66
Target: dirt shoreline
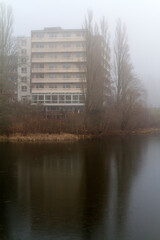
67 137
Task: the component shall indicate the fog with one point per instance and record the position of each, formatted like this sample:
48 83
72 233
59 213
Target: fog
142 18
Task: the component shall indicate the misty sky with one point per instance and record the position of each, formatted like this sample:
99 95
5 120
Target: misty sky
142 19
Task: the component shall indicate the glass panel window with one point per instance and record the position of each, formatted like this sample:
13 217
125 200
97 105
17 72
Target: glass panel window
78 85
39 35
80 54
24 79
34 98
79 44
52 65
48 98
40 85
24 88
66 85
66 65
23 51
67 34
66 44
68 98
79 34
52 85
54 98
40 55
24 60
23 43
52 75
41 98
52 35
23 70
66 55
52 45
61 98
39 75
81 98
66 75
53 55
39 45
75 98
38 65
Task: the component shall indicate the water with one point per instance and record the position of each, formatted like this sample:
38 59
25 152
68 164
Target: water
101 189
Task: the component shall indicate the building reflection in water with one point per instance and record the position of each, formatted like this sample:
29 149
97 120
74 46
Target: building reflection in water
79 191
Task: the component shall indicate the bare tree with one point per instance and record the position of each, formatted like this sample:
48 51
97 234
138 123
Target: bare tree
7 64
97 63
8 53
128 89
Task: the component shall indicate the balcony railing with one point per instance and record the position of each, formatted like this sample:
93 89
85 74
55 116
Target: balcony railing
56 90
57 80
57 60
58 39
56 70
58 49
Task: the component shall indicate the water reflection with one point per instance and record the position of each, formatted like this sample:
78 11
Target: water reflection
69 191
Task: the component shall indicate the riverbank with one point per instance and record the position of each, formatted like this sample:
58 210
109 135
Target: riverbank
67 137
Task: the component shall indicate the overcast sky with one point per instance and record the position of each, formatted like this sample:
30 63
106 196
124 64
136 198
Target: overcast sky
142 19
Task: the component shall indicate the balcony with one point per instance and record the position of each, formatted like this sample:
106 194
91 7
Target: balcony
56 90
58 39
58 49
57 60
57 70
57 80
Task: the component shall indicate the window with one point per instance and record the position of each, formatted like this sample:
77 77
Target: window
61 98
52 65
54 98
78 85
66 34
52 75
52 45
52 35
24 88
66 55
80 54
39 45
34 98
23 51
79 34
80 65
38 65
79 44
40 55
53 55
23 43
48 98
75 98
40 85
68 98
41 98
66 65
66 44
24 60
23 70
81 98
79 75
67 75
39 35
24 79
52 85
66 85
39 75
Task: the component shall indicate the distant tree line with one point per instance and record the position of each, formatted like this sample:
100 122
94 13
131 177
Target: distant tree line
114 97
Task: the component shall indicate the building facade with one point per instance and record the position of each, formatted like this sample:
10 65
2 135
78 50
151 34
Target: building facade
24 64
57 68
